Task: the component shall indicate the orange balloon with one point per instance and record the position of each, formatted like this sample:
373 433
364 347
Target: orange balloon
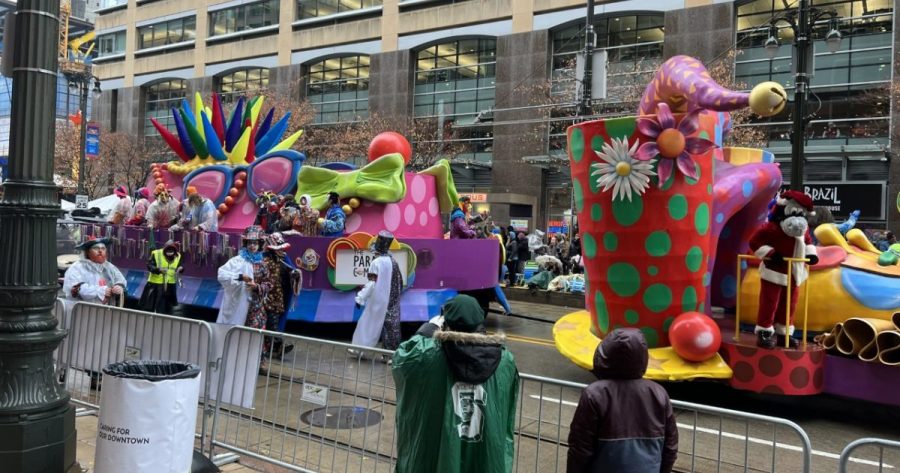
159 180
157 174
164 166
234 192
671 143
239 183
229 201
223 208
241 175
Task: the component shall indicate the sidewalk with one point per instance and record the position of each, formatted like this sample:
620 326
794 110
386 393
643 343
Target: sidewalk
87 437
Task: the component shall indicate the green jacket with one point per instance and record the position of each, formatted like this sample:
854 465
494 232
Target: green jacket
456 404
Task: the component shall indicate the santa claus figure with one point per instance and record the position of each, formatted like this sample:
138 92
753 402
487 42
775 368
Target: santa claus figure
785 235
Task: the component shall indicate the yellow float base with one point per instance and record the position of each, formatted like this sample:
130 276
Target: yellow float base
574 339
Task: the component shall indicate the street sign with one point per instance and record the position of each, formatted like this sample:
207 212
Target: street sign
81 202
92 141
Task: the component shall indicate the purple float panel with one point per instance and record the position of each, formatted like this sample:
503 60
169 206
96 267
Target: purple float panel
442 264
855 379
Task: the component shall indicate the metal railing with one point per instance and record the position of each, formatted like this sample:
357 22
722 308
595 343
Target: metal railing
880 444
100 335
329 406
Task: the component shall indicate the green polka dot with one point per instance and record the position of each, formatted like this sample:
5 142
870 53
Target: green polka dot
628 212
709 189
651 336
691 181
578 194
652 270
694 259
602 312
700 309
610 241
596 212
701 219
624 279
597 143
658 243
631 316
589 245
689 299
678 206
621 127
576 145
667 323
658 297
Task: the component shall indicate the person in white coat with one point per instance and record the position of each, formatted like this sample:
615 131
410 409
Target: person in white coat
381 298
93 278
243 279
163 212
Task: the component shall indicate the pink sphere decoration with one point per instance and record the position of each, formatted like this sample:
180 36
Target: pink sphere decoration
389 142
695 337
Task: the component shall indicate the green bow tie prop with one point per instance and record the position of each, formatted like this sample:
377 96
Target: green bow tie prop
381 181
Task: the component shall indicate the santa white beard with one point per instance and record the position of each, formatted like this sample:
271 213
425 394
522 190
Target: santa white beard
794 226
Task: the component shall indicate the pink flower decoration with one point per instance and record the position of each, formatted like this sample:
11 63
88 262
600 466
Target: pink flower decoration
672 144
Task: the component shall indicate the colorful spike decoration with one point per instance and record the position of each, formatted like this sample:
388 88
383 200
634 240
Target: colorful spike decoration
205 136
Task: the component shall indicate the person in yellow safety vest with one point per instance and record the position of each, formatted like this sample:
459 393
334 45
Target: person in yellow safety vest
160 294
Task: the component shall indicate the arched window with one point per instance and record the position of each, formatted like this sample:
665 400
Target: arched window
454 85
338 88
159 98
238 83
634 48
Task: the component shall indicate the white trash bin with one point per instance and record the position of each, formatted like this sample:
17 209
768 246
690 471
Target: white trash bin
148 414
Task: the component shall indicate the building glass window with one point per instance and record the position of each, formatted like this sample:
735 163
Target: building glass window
238 83
850 89
338 88
244 17
160 98
634 48
112 3
316 8
455 86
111 43
167 32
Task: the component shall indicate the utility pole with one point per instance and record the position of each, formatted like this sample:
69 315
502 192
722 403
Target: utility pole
801 88
37 424
584 104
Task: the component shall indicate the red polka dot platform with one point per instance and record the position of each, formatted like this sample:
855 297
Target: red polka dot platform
787 371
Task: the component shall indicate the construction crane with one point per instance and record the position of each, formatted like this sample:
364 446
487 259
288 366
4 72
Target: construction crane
72 59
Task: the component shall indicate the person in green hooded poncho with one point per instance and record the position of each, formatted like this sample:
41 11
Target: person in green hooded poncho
456 395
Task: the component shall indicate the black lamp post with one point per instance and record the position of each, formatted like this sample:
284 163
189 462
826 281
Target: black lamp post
80 82
37 424
802 21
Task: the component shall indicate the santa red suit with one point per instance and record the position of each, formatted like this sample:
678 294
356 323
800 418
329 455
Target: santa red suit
785 235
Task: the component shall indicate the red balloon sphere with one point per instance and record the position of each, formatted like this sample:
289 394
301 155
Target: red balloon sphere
387 143
234 192
223 208
229 201
157 174
241 175
239 183
695 336
164 166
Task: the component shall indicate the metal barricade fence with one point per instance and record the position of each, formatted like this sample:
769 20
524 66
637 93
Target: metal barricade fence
710 438
868 443
59 312
320 408
100 335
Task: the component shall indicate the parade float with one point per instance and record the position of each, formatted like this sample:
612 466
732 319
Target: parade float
665 211
235 159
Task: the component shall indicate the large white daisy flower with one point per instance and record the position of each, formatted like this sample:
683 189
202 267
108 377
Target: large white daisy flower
621 171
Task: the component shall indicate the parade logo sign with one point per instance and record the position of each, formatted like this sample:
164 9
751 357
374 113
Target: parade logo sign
352 266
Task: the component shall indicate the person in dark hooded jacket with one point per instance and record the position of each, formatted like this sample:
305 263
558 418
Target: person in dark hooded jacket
456 396
623 422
